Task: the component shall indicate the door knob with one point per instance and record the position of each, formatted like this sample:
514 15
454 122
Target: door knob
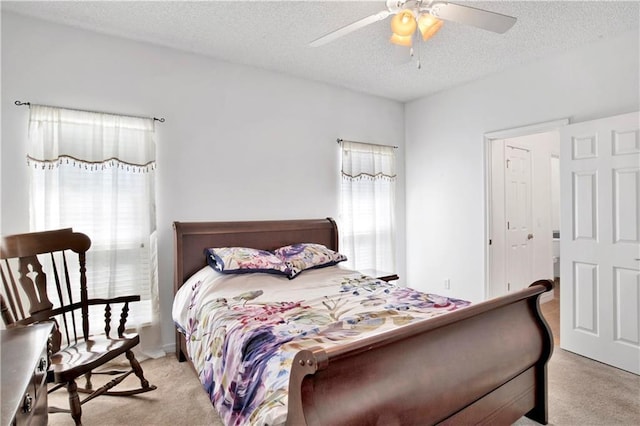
530 237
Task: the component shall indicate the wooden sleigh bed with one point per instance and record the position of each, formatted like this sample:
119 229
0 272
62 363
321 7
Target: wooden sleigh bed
484 364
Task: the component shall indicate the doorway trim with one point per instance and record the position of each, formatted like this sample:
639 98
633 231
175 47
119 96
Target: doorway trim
489 137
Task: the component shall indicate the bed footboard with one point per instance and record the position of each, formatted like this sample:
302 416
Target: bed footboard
482 364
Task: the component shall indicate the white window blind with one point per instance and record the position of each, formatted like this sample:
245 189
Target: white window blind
367 208
95 173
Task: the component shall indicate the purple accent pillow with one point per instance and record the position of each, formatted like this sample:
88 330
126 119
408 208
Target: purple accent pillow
303 256
242 260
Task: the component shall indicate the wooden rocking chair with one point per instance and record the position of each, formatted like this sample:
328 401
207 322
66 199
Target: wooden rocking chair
73 354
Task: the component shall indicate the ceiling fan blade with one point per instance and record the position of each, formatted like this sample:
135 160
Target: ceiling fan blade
349 28
484 19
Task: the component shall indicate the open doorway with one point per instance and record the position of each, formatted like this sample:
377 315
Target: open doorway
599 236
523 213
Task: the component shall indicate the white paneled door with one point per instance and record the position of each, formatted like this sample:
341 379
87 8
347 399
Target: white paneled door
518 214
600 240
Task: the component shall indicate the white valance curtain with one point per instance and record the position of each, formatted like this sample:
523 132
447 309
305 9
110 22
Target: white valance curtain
367 208
98 140
95 173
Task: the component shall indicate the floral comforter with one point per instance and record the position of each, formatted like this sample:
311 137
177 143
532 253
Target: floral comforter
242 331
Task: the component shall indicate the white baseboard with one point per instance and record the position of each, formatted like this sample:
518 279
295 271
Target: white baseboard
169 348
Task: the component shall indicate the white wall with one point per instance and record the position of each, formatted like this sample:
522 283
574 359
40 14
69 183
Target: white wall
444 143
238 143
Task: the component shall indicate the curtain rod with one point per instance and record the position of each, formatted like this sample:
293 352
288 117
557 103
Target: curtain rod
366 143
19 103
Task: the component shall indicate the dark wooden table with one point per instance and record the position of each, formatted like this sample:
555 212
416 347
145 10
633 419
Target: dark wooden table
24 355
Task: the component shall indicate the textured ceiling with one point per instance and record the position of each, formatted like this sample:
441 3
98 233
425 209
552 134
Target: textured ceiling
275 35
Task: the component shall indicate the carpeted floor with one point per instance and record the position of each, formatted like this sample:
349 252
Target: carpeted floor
179 399
581 392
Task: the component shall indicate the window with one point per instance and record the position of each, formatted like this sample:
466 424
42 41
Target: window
95 173
367 208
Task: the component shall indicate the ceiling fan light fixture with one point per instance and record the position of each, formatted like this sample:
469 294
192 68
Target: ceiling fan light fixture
403 23
408 15
428 25
401 40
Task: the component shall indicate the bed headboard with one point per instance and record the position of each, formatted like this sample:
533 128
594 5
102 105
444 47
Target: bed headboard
191 238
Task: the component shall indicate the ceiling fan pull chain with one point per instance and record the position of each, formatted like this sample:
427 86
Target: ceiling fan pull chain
416 37
412 55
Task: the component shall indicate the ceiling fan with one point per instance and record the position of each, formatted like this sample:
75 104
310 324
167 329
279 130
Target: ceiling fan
426 16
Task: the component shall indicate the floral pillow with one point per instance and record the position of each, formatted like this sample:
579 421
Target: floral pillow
241 260
302 256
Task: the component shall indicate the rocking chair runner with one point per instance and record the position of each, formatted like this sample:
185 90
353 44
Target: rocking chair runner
73 354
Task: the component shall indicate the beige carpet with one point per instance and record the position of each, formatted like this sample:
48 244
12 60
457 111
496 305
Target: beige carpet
179 399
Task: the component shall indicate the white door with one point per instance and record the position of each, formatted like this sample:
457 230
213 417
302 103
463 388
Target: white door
518 216
600 240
